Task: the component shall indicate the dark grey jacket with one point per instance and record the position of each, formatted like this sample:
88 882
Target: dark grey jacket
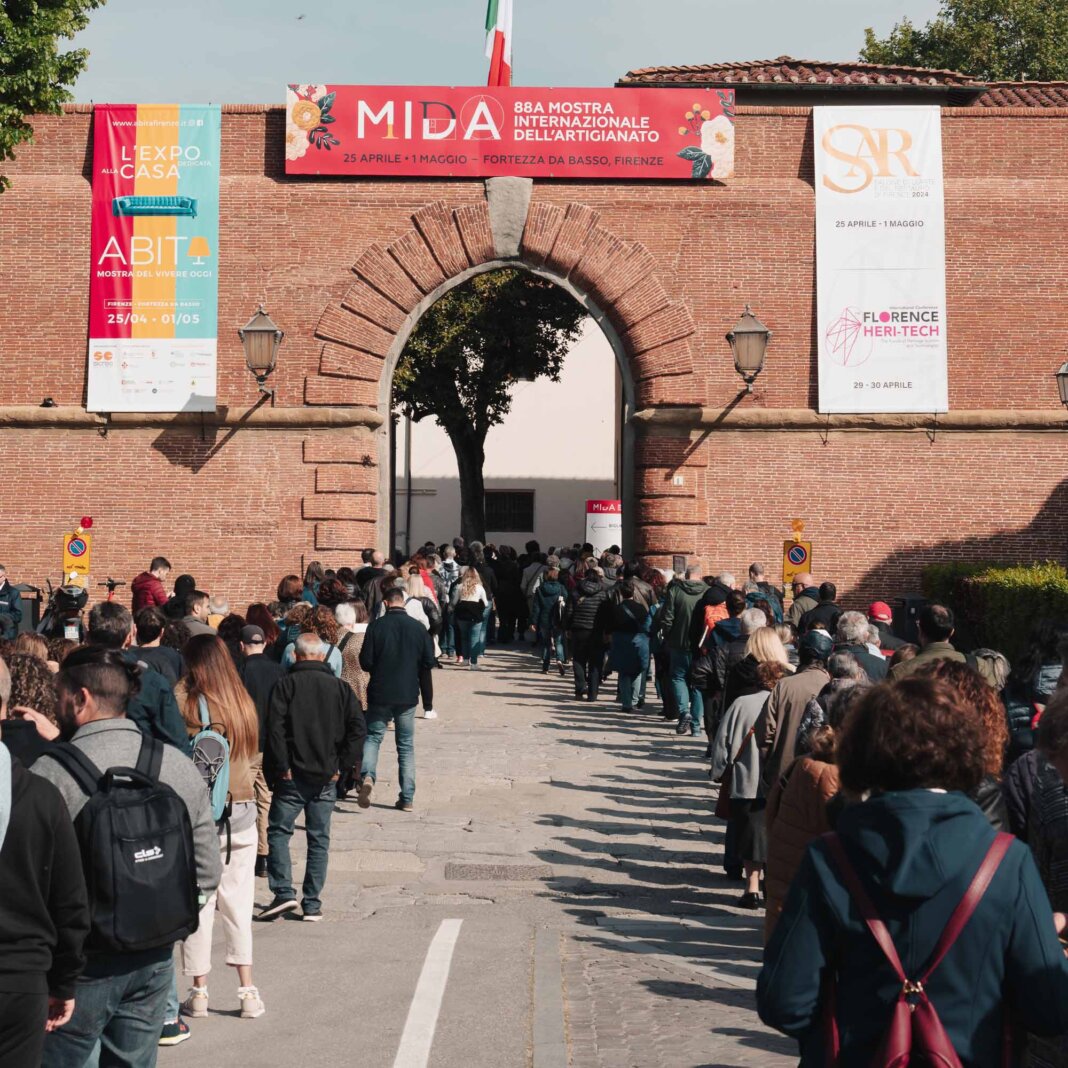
111 743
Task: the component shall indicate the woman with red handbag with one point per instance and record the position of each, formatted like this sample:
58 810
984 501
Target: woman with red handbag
915 933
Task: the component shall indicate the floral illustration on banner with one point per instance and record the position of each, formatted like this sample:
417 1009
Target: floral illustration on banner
308 119
715 157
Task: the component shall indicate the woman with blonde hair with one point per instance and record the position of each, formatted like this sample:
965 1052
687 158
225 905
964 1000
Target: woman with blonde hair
212 692
765 646
421 606
470 606
32 644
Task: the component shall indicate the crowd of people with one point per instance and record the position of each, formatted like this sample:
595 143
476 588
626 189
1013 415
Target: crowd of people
864 781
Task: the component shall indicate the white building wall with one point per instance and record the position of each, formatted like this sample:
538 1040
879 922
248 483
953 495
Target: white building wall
560 440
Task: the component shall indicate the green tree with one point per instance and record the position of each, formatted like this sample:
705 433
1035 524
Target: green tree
992 40
468 351
33 71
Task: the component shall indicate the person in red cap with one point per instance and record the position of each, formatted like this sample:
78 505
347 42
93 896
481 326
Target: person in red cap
880 616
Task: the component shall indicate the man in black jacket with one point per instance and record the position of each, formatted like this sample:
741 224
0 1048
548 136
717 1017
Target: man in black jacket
395 649
586 623
851 637
259 673
154 708
44 913
826 612
10 606
881 616
149 624
314 732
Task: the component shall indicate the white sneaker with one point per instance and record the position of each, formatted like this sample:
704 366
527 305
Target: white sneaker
251 1002
430 714
196 1002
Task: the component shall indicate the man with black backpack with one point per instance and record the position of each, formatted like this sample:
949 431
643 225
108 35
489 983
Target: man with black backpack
149 850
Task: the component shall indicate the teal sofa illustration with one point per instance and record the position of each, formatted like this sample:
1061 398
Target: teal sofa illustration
162 205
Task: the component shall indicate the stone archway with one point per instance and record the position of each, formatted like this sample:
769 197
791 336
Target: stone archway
364 333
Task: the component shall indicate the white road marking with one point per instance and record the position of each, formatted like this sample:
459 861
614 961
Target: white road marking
418 1035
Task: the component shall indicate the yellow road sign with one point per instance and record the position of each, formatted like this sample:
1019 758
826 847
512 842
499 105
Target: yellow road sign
77 551
796 559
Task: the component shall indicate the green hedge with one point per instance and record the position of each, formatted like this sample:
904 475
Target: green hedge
997 605
942 582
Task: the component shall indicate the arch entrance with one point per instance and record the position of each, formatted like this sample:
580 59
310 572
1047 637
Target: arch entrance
625 459
364 333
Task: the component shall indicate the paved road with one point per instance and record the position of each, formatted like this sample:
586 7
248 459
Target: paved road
554 900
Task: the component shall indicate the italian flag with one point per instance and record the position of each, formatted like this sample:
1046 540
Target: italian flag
499 41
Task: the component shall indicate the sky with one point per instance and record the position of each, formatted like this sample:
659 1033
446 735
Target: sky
246 51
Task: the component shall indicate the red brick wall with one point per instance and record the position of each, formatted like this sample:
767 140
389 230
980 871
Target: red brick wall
876 506
671 264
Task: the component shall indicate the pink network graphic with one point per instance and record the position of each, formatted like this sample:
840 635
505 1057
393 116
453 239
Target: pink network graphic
846 344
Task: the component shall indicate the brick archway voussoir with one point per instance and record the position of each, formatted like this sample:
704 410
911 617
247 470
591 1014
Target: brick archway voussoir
473 222
340 361
640 302
539 234
437 226
382 272
674 358
366 301
347 328
575 228
601 250
625 271
414 257
671 323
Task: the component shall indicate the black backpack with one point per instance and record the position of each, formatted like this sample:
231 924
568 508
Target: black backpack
136 842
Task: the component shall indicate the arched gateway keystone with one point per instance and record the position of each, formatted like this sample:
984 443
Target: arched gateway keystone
364 333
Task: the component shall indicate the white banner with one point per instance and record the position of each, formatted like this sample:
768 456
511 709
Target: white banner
152 375
604 524
880 259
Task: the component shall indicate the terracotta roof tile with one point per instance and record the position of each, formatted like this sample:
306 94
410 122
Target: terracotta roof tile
788 69
1024 95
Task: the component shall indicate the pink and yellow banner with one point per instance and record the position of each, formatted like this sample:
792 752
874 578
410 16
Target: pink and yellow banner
153 296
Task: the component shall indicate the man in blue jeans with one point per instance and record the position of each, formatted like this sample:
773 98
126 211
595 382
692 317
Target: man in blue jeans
676 623
315 731
119 999
395 649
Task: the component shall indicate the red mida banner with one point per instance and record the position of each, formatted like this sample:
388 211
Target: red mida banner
441 132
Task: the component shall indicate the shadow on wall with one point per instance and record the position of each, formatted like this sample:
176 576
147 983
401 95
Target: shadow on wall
1044 538
192 441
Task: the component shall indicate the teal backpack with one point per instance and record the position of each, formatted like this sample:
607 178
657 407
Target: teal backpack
211 755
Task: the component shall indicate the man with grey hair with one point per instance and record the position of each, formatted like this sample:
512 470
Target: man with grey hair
751 620
373 568
851 636
315 733
218 610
